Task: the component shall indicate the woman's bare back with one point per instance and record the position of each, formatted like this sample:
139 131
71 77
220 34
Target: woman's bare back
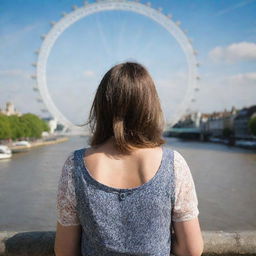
113 169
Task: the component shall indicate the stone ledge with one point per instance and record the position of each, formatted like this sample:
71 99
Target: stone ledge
38 243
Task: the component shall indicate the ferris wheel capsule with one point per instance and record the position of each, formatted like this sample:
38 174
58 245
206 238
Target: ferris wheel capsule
198 78
178 23
74 7
35 89
53 23
196 89
134 6
33 76
43 37
39 100
36 52
34 64
185 31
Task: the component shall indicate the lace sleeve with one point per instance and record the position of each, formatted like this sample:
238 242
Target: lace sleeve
66 200
186 202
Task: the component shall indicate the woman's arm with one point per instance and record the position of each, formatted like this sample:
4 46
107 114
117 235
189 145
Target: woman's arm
187 238
67 240
68 230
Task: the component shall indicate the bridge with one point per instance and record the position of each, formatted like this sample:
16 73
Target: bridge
188 133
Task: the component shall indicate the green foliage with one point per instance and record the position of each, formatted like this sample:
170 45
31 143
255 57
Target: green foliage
16 129
25 126
252 125
5 128
45 126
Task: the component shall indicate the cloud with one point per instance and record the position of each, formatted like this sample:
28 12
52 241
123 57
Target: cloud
233 7
89 73
245 79
220 92
17 34
234 52
16 86
15 72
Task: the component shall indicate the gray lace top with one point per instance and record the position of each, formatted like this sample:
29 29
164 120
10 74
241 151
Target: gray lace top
135 221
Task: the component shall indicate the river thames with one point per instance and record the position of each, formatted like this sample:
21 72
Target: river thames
225 180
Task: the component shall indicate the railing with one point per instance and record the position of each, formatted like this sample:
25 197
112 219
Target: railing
42 243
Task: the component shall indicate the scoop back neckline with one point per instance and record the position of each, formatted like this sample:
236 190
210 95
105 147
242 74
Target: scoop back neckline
118 190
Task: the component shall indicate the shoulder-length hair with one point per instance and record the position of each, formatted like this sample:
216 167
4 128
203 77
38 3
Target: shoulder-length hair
127 107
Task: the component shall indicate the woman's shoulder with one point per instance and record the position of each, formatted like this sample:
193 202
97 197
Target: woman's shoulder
68 165
178 156
70 156
181 167
69 162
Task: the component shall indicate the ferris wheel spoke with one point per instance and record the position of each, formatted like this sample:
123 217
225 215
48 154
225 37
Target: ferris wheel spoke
103 37
146 48
121 36
137 37
100 6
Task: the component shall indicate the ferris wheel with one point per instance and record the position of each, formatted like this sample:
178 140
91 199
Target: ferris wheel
87 9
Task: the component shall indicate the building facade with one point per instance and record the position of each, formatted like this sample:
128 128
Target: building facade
10 110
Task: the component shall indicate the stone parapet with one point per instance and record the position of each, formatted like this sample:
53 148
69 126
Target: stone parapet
38 243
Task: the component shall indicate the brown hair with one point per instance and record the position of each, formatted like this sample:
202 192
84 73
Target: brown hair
127 107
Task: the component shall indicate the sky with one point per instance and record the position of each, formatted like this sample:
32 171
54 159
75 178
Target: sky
223 32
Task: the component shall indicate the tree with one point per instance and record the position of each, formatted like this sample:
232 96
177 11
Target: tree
19 127
252 125
45 126
5 127
16 127
25 126
35 125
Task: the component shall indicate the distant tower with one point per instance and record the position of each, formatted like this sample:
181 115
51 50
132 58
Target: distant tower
10 110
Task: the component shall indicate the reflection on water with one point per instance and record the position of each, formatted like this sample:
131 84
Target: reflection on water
225 181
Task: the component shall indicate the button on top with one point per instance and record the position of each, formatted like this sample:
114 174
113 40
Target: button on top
122 196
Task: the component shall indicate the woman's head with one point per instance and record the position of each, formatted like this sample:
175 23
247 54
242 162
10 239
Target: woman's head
127 107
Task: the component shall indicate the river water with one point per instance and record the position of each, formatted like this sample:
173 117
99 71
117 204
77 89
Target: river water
225 180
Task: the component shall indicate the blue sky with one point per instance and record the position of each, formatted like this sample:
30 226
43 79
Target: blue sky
223 33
